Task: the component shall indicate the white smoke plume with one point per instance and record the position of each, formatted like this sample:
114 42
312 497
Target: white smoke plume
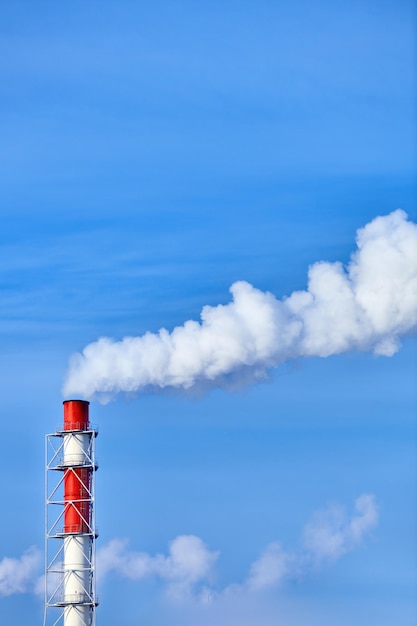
367 305
19 575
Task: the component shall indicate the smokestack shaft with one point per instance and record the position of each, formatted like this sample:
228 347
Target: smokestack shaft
77 515
70 597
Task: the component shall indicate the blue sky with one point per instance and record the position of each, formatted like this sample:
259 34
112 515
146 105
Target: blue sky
151 156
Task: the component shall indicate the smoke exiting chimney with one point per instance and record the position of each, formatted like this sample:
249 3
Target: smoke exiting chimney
366 306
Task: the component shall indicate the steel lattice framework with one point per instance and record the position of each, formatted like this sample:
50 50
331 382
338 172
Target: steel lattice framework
70 529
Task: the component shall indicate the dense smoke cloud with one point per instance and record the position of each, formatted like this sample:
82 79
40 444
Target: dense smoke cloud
367 305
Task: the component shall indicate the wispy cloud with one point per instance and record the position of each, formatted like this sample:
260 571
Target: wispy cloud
188 563
331 533
187 569
19 575
271 569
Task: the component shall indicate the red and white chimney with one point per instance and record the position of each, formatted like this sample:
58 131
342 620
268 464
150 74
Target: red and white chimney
70 596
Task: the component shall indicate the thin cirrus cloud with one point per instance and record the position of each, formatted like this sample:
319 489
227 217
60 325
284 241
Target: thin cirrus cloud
367 306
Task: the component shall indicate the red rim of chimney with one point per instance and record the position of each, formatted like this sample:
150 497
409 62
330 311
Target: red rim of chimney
76 415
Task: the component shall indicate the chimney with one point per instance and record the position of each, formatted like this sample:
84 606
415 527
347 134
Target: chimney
70 596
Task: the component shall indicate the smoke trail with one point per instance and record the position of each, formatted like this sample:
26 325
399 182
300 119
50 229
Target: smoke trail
368 305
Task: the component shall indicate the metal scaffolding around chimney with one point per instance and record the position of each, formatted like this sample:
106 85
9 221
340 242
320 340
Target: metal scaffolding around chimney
70 528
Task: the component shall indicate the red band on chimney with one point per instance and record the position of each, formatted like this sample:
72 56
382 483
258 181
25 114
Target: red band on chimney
77 503
76 415
77 480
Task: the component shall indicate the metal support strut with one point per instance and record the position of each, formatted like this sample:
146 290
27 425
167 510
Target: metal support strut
70 530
